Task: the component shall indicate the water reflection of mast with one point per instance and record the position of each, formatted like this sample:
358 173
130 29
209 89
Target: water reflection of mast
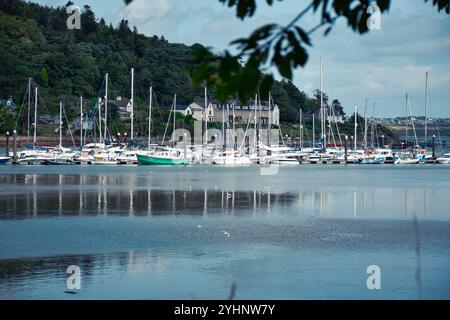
205 204
406 203
425 213
174 204
105 202
321 205
232 202
149 202
131 203
34 203
99 202
59 194
80 195
354 204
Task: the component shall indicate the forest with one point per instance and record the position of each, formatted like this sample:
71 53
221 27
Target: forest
66 64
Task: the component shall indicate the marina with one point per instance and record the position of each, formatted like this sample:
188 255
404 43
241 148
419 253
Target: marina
216 158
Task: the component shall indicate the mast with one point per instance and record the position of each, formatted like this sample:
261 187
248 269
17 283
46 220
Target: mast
406 121
301 129
322 111
255 123
234 126
100 120
60 124
269 122
412 123
150 118
314 130
356 126
174 114
29 110
365 126
372 128
426 111
330 134
106 103
35 116
206 115
224 143
132 104
81 122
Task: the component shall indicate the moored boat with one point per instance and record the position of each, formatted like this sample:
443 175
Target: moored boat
407 161
160 160
445 159
4 160
162 157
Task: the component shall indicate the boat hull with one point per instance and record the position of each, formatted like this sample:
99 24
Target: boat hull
287 162
443 160
4 160
157 161
371 161
409 161
103 163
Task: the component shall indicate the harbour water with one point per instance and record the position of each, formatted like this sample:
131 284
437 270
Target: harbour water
307 232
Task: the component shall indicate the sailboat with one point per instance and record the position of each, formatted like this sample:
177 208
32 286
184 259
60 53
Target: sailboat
232 156
163 156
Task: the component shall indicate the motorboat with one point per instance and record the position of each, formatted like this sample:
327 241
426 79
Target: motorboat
445 159
407 161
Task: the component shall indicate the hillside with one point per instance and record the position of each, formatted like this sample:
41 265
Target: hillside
67 64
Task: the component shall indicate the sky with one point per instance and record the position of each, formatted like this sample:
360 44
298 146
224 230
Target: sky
379 67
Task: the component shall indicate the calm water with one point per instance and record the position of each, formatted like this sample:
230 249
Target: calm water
308 232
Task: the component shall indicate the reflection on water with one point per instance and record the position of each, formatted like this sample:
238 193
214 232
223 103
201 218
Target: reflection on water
104 200
33 195
307 232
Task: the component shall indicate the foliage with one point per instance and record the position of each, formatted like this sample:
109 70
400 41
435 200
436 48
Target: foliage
275 47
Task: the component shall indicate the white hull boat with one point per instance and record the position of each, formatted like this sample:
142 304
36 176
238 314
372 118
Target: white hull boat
445 159
407 161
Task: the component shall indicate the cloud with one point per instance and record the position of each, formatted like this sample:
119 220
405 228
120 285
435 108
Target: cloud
144 10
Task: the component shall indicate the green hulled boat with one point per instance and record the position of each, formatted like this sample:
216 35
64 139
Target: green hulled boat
161 161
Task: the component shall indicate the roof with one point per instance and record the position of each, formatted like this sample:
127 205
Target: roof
7 102
122 103
178 107
195 106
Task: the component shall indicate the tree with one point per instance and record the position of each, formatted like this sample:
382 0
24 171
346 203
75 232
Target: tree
88 20
44 77
337 107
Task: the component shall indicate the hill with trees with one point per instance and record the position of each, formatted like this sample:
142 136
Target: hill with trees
66 64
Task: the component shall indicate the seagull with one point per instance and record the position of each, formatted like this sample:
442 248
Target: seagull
226 233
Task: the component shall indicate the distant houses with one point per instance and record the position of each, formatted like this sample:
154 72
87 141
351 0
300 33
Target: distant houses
8 103
336 119
123 107
243 113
